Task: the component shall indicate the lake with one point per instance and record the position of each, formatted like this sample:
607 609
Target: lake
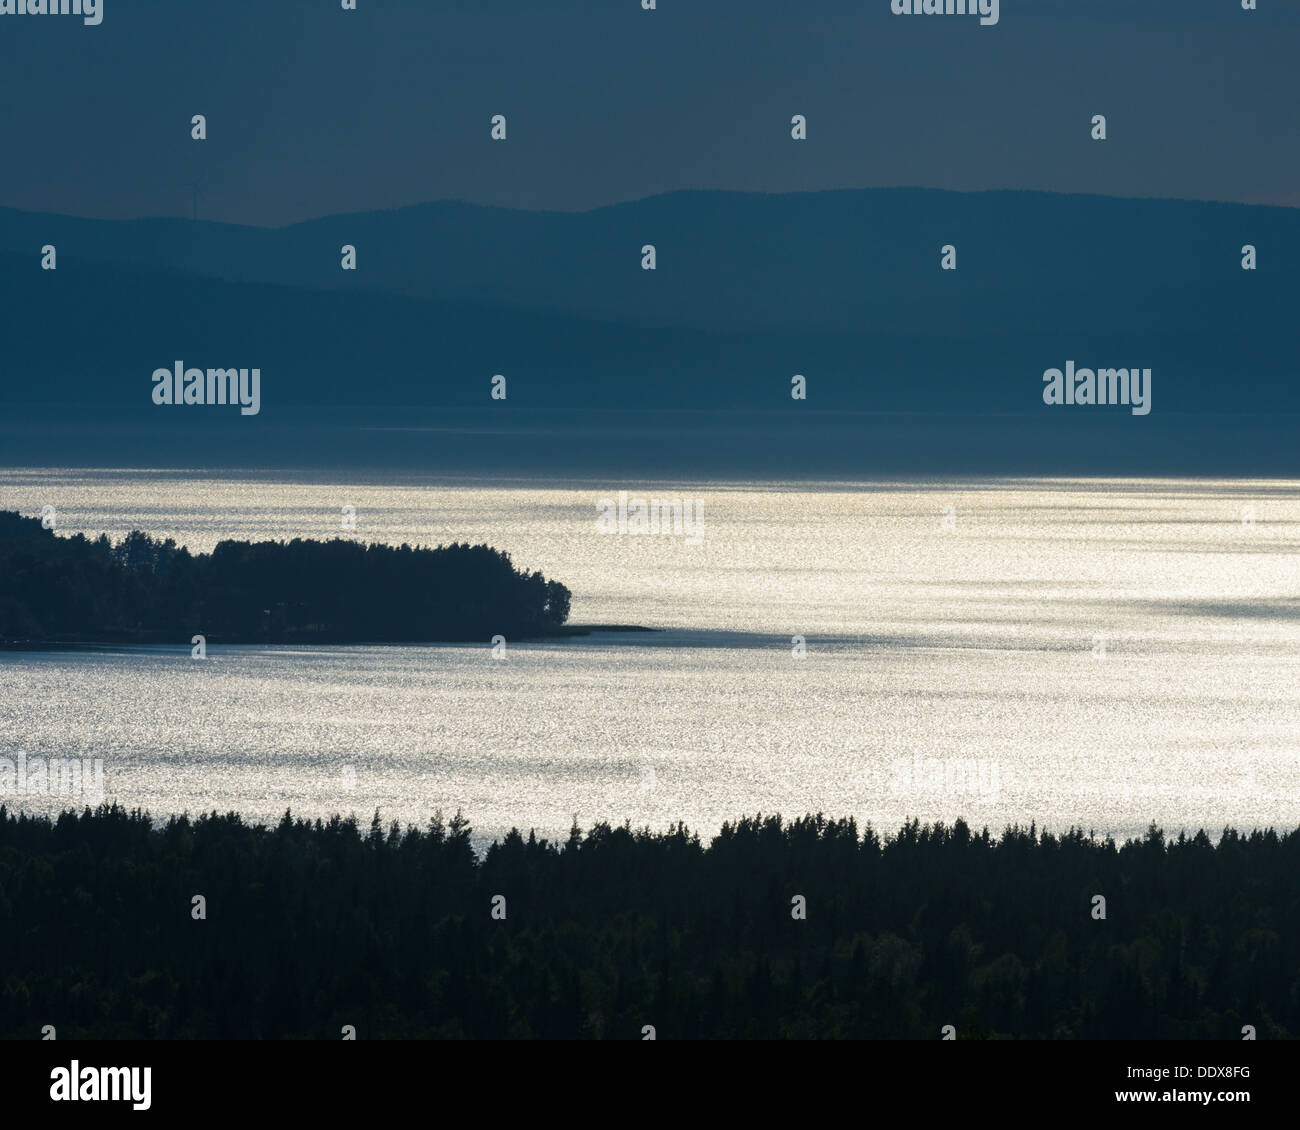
1099 653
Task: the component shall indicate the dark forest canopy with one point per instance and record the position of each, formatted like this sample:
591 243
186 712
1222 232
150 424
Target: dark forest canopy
313 925
66 589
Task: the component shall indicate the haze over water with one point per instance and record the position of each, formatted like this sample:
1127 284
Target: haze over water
1096 653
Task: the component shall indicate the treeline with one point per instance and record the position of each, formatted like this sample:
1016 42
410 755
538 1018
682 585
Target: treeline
141 589
312 926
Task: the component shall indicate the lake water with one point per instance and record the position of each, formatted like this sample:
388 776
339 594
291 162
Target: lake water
1096 653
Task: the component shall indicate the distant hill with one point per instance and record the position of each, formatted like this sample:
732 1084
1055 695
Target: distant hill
850 261
843 287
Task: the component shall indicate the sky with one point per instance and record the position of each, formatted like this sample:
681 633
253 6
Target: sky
313 110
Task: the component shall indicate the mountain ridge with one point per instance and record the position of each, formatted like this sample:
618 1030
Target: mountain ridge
843 288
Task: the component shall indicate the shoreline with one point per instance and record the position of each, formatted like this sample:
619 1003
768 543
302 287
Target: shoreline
567 631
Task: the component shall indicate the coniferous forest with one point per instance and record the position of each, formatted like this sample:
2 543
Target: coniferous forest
808 928
66 589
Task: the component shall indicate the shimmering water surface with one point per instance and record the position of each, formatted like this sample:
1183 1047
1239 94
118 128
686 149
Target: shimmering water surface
1094 653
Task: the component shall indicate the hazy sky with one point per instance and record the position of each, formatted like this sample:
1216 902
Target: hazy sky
313 110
